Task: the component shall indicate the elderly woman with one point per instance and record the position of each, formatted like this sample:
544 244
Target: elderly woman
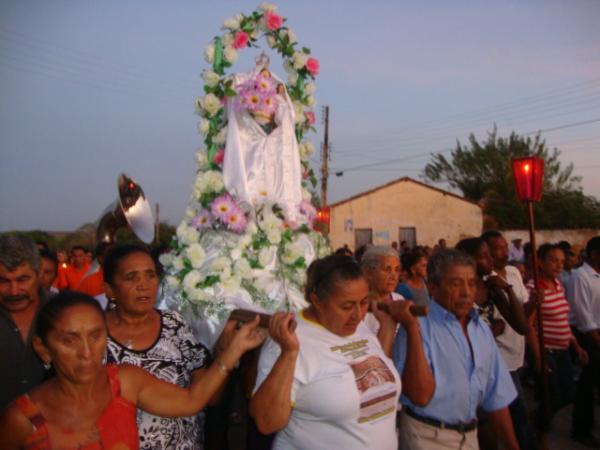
343 388
158 341
89 405
381 267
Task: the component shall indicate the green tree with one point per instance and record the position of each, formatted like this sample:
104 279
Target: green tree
482 172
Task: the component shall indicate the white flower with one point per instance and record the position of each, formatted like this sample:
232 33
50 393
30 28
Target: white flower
178 263
191 280
233 23
267 255
172 281
211 79
203 127
186 235
189 213
231 284
310 101
196 255
201 159
221 136
227 39
293 78
220 265
197 295
244 242
210 103
300 60
271 41
166 259
242 268
236 253
267 7
299 277
310 88
251 230
306 149
209 181
294 250
306 195
299 110
274 236
209 53
292 36
230 54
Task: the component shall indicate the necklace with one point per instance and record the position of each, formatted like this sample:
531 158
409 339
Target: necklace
129 342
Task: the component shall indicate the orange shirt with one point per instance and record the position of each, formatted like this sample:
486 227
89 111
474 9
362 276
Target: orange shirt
69 277
93 284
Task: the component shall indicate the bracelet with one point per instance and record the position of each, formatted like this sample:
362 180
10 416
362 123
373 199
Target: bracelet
222 367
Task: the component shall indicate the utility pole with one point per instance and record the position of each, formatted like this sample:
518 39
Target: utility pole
325 157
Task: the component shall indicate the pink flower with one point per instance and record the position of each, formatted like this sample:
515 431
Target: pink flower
273 20
313 66
218 158
202 220
222 206
236 221
308 210
310 117
240 40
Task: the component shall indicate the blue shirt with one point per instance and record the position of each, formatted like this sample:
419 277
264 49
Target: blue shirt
461 386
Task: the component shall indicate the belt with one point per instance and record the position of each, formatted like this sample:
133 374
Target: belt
462 427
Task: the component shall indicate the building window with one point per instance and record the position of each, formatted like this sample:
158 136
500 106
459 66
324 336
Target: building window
362 236
408 234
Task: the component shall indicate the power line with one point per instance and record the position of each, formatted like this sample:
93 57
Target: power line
406 158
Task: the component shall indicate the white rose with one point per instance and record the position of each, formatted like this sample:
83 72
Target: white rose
251 230
306 149
209 53
211 79
274 236
203 127
166 259
292 36
210 103
231 285
299 110
266 256
310 88
300 60
233 23
288 66
235 254
221 136
310 101
271 41
178 263
267 7
230 54
197 295
242 268
243 243
187 235
209 181
196 255
227 39
172 282
299 276
306 195
220 264
191 280
201 159
293 78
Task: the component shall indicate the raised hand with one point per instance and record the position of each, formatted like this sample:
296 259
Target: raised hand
281 329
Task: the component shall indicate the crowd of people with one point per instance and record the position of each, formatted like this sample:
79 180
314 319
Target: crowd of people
89 361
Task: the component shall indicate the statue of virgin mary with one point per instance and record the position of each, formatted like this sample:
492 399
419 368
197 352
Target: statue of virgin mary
261 152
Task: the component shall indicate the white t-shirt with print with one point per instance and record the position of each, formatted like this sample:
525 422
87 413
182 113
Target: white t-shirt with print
344 394
510 343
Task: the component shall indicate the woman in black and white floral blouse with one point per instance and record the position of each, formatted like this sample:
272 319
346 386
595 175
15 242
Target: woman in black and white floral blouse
158 341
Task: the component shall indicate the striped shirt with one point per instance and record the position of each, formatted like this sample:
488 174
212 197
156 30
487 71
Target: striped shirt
555 315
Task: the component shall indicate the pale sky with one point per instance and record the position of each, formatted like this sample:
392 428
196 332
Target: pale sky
92 89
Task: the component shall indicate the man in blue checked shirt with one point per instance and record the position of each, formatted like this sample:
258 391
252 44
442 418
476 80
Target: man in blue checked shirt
464 362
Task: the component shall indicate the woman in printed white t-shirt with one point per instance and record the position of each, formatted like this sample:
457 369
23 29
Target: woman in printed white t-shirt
329 384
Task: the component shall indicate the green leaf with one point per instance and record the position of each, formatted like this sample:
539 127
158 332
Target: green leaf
300 263
209 281
306 50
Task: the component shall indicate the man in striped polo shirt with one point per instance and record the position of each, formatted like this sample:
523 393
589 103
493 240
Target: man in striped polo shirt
557 332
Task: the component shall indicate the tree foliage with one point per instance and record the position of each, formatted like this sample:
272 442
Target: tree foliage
482 172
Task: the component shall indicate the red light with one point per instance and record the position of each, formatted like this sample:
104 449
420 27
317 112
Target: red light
528 173
131 186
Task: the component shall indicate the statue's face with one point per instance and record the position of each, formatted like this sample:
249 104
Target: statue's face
265 73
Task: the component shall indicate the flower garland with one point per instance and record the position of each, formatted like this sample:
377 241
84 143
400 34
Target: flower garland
251 243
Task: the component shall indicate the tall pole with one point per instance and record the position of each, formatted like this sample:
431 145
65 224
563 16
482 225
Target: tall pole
325 157
540 327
